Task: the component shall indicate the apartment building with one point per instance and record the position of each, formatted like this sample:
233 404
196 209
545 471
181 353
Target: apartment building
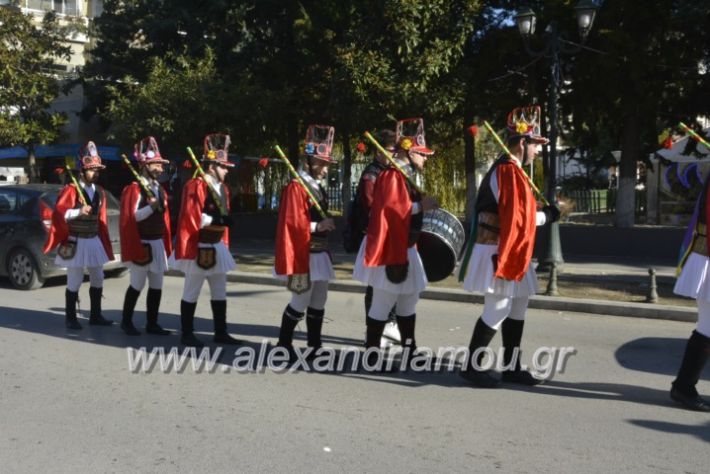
74 10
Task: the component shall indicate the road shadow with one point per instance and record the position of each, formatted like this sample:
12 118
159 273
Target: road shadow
51 323
701 431
601 391
656 355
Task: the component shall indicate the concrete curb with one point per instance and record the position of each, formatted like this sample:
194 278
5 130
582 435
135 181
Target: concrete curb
553 303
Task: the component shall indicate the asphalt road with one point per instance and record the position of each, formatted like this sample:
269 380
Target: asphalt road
69 403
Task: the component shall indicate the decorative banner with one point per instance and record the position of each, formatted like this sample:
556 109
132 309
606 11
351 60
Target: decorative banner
667 174
691 168
680 174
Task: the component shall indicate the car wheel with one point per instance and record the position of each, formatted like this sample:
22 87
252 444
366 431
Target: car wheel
22 270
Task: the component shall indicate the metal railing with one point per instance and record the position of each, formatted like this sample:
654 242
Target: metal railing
599 201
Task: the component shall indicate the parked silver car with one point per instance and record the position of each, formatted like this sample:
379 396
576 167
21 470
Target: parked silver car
25 219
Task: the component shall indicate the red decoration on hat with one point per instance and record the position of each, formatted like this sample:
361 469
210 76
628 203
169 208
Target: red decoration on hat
361 148
409 135
89 157
473 130
187 164
146 151
58 170
525 122
319 142
216 149
264 162
668 143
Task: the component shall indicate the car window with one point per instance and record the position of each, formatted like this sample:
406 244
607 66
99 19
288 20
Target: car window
25 198
50 198
8 201
27 201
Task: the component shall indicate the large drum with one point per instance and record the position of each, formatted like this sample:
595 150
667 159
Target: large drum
440 243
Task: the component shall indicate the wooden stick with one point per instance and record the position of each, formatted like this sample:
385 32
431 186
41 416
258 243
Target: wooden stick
393 162
505 149
202 173
695 135
68 167
298 178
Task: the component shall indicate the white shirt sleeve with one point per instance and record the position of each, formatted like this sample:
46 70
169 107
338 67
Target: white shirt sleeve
540 218
206 220
494 185
72 214
143 213
314 225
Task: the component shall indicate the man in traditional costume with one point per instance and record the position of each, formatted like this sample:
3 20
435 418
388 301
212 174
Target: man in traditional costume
79 232
498 256
202 244
388 259
145 237
364 194
693 282
302 255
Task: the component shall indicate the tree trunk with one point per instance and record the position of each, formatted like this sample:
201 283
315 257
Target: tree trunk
347 162
32 174
469 166
293 138
630 149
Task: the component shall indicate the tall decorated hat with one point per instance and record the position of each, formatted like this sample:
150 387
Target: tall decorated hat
319 142
216 149
89 157
409 135
146 151
525 122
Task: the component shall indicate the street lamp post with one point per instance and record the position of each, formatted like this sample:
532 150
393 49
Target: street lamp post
555 46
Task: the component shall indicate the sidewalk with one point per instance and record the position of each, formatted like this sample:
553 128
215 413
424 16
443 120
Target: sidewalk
255 262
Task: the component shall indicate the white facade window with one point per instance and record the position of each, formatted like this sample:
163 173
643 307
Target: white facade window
61 7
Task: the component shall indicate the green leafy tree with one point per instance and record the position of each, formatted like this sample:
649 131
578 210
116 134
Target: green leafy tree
180 99
652 76
28 83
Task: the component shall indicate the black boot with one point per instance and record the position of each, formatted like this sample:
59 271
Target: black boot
512 332
482 335
314 326
96 318
406 326
187 321
70 298
368 301
289 321
375 327
129 305
219 314
696 356
151 314
406 329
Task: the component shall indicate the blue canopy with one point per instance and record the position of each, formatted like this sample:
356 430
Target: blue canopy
107 153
